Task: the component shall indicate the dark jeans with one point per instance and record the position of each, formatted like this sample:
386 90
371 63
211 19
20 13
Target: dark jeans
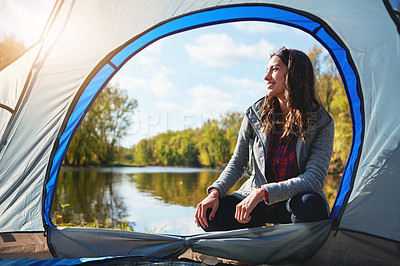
306 207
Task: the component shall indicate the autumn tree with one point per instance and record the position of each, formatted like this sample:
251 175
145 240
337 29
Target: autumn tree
333 97
10 49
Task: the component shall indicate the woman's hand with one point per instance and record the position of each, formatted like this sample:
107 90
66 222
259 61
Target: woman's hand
247 205
211 201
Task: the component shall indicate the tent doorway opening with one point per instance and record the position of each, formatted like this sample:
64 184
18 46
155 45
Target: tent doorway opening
191 93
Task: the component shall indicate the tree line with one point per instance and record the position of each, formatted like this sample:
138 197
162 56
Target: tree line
97 139
211 145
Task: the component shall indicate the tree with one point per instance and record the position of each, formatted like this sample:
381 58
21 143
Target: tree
333 97
211 145
111 118
324 77
103 127
143 152
10 49
230 124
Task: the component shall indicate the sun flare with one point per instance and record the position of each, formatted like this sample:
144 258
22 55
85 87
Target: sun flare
24 19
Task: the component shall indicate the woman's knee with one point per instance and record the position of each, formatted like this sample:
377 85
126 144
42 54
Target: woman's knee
307 207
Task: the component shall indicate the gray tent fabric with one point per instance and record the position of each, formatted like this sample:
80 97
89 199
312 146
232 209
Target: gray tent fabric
351 248
78 242
378 199
14 77
45 94
255 245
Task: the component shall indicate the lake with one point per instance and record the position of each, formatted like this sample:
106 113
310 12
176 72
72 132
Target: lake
148 199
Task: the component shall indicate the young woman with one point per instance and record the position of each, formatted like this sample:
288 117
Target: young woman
285 143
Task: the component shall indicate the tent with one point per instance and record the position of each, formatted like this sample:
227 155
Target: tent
45 94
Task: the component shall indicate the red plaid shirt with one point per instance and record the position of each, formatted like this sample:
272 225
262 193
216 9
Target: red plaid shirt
281 158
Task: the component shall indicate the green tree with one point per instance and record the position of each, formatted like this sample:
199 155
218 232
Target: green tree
80 151
112 114
230 124
331 91
324 78
211 145
218 139
143 152
10 49
103 127
183 148
169 148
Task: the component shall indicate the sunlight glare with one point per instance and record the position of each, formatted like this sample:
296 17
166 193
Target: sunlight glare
24 19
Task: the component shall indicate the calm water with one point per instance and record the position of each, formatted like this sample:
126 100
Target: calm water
149 199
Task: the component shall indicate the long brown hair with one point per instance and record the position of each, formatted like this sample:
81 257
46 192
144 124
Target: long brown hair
301 96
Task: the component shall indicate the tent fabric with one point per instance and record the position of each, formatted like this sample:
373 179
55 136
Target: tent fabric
255 245
13 80
262 13
45 94
352 248
91 261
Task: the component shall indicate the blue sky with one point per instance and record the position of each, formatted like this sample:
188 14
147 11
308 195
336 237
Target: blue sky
184 79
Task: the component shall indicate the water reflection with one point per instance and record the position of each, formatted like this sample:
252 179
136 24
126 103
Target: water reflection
86 195
184 189
147 199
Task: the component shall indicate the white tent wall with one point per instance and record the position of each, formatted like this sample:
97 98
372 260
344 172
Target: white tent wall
82 35
373 204
13 79
374 45
85 35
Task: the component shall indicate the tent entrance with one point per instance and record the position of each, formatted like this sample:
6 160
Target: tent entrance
116 59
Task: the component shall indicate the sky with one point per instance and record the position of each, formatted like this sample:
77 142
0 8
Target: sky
185 79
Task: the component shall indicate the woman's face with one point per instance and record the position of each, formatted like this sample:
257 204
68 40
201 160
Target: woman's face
276 78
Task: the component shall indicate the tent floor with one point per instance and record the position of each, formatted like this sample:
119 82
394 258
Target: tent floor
209 260
24 245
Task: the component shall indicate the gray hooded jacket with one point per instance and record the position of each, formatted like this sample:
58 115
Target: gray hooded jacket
313 159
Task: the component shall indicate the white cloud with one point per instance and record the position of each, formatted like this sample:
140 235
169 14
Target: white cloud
246 86
220 50
129 82
166 106
209 101
161 86
150 57
158 83
148 64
